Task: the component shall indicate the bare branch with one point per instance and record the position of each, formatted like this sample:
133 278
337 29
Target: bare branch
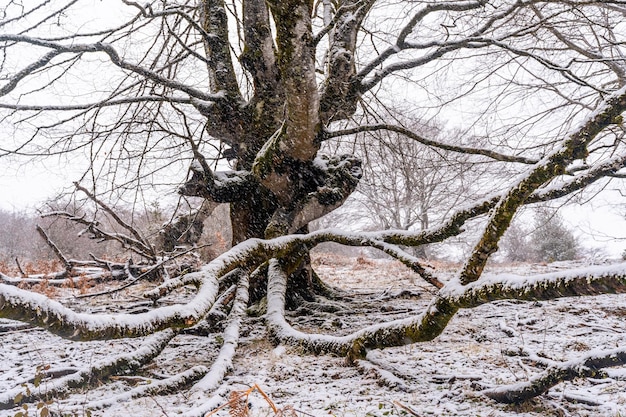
55 248
144 244
410 134
99 104
115 58
409 27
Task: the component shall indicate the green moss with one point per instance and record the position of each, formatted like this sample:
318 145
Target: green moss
269 155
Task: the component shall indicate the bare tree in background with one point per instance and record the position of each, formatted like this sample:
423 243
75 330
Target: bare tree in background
409 186
130 99
17 237
516 243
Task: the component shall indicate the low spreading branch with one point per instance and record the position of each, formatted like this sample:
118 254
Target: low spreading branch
39 310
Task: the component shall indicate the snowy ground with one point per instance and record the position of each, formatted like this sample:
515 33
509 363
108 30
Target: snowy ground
439 378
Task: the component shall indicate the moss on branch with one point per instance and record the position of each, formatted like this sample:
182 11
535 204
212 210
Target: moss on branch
588 366
98 372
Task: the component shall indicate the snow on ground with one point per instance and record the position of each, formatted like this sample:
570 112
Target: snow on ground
439 378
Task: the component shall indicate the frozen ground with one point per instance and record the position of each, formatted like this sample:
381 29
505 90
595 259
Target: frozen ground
439 378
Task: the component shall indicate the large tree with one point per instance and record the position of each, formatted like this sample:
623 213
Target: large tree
130 93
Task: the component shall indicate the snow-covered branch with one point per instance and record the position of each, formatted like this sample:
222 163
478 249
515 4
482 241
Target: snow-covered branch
590 365
39 310
573 147
98 372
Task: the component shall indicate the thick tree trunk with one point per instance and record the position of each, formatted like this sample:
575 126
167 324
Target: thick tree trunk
281 182
250 220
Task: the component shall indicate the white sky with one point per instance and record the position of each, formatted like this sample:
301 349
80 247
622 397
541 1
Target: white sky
599 224
29 190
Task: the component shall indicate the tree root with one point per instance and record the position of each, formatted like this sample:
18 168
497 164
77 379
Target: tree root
355 345
588 366
385 376
124 363
155 387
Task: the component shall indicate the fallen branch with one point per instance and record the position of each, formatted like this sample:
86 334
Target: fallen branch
385 377
587 366
62 278
131 280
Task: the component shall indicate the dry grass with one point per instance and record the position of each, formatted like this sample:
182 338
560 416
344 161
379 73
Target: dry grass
238 406
42 266
330 259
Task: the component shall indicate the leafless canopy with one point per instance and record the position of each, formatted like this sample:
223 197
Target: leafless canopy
244 96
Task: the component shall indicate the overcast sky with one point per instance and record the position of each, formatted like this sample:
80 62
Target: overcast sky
27 185
27 190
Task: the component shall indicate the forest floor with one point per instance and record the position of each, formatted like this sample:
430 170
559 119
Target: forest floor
439 378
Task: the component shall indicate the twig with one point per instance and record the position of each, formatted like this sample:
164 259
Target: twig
19 267
117 219
406 408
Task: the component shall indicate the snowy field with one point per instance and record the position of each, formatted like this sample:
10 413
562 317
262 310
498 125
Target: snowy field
481 348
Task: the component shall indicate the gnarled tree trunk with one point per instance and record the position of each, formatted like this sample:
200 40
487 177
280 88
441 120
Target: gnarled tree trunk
282 183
